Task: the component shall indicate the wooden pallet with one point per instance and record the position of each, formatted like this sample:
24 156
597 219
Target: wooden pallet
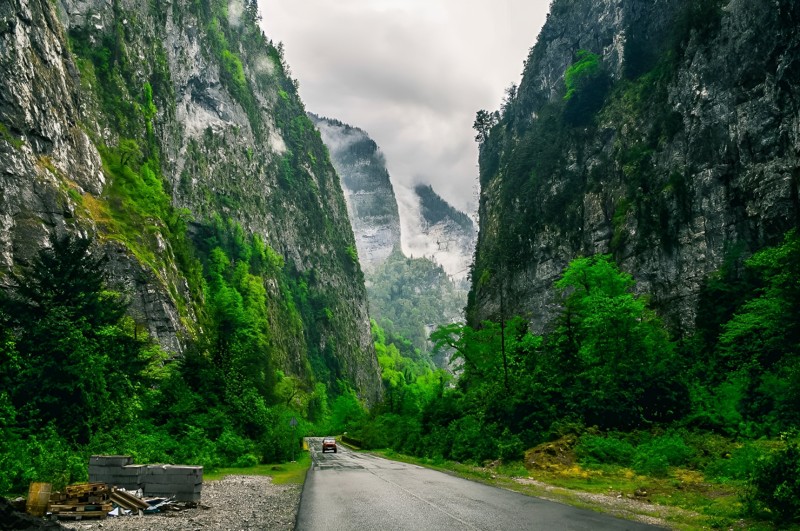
80 511
87 489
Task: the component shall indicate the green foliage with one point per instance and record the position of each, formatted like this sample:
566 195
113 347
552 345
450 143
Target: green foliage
484 122
775 483
347 412
70 364
752 342
352 253
596 449
655 456
69 337
587 85
586 66
408 294
6 135
618 362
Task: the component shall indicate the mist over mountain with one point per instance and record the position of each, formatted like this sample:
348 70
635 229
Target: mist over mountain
385 215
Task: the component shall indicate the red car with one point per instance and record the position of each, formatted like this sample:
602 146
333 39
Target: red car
328 443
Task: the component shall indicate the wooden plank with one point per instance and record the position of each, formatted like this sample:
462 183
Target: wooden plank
127 500
70 508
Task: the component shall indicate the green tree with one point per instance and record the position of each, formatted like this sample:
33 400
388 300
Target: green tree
758 347
484 122
75 360
611 354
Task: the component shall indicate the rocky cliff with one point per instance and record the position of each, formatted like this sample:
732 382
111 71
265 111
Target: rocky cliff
371 202
446 235
666 133
427 225
143 123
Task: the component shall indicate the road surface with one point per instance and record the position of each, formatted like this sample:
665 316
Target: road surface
353 491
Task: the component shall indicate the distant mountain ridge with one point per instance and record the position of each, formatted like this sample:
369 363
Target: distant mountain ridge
371 203
447 235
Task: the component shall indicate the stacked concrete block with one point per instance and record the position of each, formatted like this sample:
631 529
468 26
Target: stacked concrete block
115 470
183 483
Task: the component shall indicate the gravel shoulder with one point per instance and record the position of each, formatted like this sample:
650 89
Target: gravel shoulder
233 503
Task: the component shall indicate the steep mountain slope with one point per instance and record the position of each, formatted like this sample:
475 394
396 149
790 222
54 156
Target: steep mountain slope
665 133
371 203
160 128
447 235
430 226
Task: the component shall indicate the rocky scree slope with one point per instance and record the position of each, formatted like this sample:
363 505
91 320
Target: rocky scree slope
143 124
666 133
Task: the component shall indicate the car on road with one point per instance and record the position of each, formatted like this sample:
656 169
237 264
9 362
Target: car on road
328 443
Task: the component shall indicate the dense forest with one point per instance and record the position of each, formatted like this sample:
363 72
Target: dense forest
412 296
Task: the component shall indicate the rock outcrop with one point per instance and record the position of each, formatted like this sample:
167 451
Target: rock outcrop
677 149
371 203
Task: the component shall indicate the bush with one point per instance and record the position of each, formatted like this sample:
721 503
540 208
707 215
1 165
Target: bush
473 441
509 446
597 450
775 483
654 457
738 465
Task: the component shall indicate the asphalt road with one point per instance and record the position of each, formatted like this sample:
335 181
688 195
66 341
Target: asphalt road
352 491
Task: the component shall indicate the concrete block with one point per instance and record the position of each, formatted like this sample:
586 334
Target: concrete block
172 479
110 460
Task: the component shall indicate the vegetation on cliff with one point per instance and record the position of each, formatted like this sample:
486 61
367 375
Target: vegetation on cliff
254 256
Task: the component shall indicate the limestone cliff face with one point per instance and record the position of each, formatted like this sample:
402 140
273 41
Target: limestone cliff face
446 235
371 203
199 93
678 149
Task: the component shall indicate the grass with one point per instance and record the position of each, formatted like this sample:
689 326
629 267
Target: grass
685 499
293 473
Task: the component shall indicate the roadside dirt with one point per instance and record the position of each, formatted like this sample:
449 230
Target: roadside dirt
614 503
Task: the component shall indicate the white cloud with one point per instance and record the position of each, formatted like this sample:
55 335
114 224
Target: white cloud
411 73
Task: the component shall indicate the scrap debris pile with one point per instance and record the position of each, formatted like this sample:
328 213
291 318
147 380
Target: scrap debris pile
99 500
119 488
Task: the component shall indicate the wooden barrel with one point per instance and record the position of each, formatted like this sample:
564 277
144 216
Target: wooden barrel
38 499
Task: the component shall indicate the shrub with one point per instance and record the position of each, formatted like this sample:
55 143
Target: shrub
594 449
654 457
738 465
509 446
775 483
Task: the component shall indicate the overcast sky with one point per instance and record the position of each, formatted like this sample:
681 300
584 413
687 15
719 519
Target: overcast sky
411 73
